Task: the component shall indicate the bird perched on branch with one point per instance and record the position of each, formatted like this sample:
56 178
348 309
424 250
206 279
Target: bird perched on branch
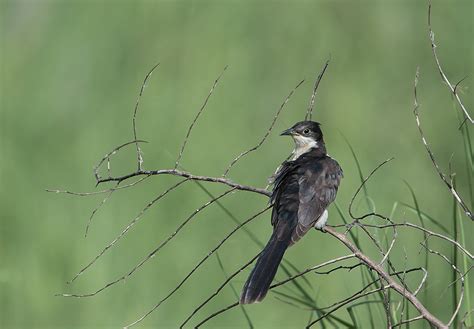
304 186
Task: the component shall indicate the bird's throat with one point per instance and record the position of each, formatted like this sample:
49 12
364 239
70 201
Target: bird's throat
302 146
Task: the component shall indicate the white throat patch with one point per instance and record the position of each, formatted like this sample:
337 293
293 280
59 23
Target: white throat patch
302 145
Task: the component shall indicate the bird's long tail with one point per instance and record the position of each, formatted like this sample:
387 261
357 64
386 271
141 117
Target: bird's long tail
264 271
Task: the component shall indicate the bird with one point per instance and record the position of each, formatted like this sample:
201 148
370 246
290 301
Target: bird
303 187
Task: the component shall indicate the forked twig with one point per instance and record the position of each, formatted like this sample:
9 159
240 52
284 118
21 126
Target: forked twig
108 155
126 229
202 261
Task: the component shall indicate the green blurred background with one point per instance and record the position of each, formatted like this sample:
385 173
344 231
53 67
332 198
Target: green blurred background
70 74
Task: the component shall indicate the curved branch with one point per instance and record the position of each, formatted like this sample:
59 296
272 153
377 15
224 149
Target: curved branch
309 112
441 71
443 177
134 119
196 118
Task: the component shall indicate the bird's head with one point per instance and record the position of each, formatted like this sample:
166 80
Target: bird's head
305 132
307 135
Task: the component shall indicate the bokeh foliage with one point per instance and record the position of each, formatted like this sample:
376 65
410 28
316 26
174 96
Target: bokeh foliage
70 72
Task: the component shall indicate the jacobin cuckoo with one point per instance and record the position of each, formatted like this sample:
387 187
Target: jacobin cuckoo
303 188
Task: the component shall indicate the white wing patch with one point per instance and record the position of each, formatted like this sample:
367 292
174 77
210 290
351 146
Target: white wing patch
322 220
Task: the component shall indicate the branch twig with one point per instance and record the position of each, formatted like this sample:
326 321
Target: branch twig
188 175
126 229
443 177
309 112
441 71
197 117
241 155
134 123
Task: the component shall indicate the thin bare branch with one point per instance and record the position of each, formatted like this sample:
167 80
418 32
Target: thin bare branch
96 209
422 282
360 188
313 268
126 229
416 318
197 117
241 155
202 261
98 192
430 233
219 289
443 177
389 248
134 123
440 69
188 175
340 267
309 112
213 315
461 276
108 155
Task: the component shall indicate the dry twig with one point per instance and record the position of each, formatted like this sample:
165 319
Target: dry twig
196 118
441 71
443 177
241 155
309 112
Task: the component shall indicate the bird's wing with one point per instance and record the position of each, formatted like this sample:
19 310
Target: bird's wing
285 190
318 186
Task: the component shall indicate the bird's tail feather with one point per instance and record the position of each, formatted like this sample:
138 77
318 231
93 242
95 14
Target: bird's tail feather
264 271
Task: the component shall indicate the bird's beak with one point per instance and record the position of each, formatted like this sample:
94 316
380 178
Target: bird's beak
289 131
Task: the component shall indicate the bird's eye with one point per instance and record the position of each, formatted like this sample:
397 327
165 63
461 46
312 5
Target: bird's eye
306 131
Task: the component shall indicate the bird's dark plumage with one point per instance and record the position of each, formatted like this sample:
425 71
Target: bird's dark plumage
303 188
